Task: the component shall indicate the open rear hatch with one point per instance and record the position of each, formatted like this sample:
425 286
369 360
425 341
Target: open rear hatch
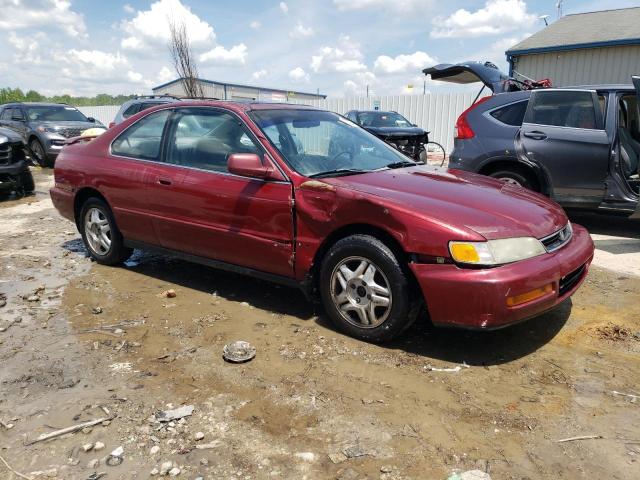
485 72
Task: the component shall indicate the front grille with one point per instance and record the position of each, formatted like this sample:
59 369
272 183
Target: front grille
558 239
5 154
569 281
71 132
410 146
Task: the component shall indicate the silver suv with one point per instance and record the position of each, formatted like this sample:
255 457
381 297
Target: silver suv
138 104
45 127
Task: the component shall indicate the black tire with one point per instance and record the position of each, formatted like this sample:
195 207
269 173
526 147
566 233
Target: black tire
117 252
401 313
39 154
516 176
26 181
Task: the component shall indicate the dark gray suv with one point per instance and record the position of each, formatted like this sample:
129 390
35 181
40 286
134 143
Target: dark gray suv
578 145
45 127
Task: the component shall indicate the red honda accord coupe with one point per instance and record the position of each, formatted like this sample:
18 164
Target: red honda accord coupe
307 198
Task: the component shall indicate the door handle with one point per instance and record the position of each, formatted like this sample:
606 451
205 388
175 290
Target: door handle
535 135
164 181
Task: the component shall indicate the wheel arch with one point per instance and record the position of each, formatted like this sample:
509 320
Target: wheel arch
388 239
533 170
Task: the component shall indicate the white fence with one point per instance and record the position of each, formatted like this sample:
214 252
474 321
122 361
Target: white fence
436 113
103 113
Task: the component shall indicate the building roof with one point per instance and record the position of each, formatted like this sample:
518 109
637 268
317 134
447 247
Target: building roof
584 30
213 82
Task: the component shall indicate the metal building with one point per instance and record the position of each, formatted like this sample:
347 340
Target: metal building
582 49
236 91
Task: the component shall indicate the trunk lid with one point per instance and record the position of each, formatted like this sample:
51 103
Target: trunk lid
472 72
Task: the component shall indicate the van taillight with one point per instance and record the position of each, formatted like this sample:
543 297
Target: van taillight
463 130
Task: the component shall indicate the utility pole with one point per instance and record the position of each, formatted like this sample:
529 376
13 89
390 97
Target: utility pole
424 87
367 90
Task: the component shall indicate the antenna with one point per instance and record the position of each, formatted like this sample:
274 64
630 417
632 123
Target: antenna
544 18
559 8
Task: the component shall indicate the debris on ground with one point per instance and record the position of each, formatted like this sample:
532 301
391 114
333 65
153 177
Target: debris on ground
115 457
238 352
470 475
96 310
171 293
175 414
430 368
71 429
581 437
628 395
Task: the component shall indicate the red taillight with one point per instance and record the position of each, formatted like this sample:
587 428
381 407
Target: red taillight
112 124
463 130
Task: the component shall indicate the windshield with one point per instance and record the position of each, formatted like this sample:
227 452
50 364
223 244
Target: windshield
315 142
383 119
55 113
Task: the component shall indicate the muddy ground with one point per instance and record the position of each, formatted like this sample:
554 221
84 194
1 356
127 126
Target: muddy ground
79 341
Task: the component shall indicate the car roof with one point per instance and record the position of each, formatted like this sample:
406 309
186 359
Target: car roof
242 105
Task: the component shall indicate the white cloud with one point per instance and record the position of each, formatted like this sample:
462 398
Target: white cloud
357 85
19 14
403 63
497 16
128 8
346 57
27 48
151 27
166 75
300 31
259 74
134 77
255 24
236 55
284 7
298 75
94 65
402 6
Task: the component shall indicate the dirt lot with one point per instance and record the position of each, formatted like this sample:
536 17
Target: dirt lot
79 341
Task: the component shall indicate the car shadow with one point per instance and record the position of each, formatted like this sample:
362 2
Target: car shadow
475 348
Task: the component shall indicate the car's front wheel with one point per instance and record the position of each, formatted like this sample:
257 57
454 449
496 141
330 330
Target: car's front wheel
38 152
26 182
364 289
100 233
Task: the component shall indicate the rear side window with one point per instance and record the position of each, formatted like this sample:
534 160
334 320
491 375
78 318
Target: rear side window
143 139
6 114
132 110
511 114
573 109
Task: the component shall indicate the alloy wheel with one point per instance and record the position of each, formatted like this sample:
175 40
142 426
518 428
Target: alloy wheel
97 231
361 292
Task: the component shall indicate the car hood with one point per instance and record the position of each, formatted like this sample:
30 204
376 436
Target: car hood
489 207
471 72
395 131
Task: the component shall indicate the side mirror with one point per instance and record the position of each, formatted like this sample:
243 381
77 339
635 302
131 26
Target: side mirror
91 119
251 165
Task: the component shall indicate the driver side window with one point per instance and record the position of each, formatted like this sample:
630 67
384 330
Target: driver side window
204 139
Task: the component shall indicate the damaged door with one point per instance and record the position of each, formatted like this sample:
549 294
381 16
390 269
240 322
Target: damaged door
563 132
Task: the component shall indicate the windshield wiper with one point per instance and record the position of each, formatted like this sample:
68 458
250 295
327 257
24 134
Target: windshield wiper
339 172
405 163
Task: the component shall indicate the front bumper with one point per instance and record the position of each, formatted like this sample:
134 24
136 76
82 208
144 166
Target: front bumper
9 174
477 298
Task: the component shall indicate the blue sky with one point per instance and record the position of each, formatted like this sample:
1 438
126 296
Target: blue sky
85 47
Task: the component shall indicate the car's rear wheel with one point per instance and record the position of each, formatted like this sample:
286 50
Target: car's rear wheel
515 177
39 153
364 289
100 233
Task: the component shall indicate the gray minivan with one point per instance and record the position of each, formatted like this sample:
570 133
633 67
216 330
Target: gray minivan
578 145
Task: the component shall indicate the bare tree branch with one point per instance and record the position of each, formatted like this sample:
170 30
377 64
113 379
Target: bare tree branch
183 60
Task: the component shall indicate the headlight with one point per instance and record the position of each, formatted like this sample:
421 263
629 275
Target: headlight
47 129
496 252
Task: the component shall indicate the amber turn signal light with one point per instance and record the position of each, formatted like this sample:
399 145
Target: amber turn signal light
528 296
